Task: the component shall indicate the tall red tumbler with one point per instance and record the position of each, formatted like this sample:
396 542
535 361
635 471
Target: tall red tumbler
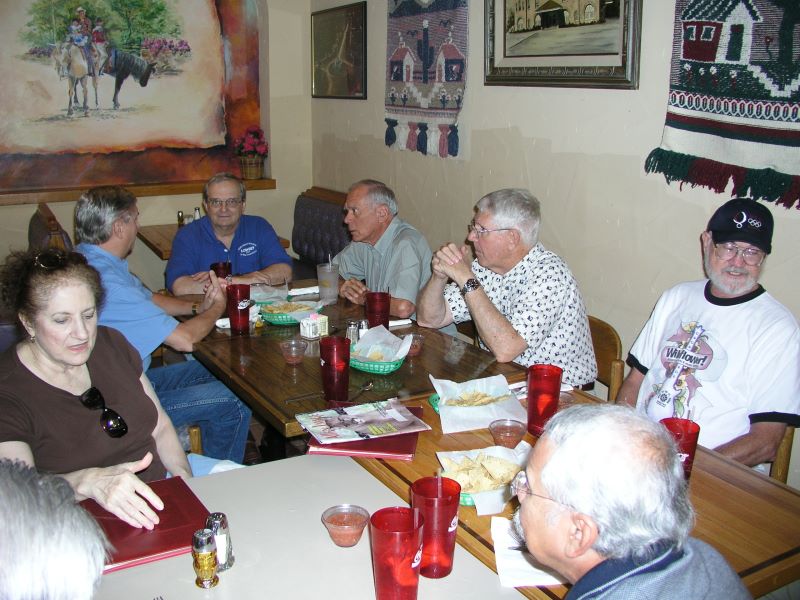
437 498
544 389
395 535
377 305
334 354
239 307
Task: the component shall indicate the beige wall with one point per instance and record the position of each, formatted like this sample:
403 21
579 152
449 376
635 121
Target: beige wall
627 236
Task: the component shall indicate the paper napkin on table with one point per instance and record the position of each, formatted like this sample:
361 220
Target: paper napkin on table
515 567
314 289
225 322
467 418
399 323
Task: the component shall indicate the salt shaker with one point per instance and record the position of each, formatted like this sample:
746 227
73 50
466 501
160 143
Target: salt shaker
196 213
353 326
204 555
363 327
218 523
180 218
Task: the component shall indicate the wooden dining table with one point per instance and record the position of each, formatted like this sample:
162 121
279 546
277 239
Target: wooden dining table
253 367
752 520
159 238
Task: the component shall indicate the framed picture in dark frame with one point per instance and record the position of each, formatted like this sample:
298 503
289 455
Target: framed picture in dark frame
582 43
339 52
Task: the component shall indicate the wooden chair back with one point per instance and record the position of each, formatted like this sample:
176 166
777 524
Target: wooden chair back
608 352
780 467
44 230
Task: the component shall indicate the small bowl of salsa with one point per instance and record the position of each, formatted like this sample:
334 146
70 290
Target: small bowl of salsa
345 523
507 432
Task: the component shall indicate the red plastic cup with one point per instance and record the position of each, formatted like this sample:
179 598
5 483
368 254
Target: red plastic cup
239 307
378 308
334 354
544 389
221 269
395 535
685 433
437 499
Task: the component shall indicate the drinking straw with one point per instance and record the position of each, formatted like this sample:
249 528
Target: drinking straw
330 265
439 483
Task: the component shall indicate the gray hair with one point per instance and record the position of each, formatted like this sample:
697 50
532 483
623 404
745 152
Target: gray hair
97 210
221 178
622 469
378 193
52 548
514 208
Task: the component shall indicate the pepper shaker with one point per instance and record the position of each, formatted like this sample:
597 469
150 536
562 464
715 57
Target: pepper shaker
204 555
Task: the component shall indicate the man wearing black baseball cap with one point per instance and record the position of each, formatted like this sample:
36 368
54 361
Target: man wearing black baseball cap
722 351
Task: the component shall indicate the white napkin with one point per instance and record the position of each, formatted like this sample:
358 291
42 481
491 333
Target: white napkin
379 340
493 501
399 323
467 418
225 322
314 289
517 568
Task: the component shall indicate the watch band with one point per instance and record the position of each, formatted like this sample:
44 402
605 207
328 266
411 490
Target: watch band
195 308
470 285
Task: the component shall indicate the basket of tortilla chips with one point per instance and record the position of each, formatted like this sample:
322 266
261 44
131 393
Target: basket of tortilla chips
482 473
288 313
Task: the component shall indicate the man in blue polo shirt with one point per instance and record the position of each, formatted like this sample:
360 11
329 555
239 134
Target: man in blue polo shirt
106 222
225 234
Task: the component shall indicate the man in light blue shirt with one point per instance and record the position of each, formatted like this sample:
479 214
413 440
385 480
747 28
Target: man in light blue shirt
106 223
386 254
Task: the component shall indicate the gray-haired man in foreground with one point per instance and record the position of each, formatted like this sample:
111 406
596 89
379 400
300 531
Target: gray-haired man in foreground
603 502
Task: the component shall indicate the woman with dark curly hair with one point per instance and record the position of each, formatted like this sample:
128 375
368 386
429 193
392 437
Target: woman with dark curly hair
73 399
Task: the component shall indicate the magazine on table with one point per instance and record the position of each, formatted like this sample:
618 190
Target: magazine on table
361 422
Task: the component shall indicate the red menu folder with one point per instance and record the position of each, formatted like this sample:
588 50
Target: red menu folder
394 447
183 514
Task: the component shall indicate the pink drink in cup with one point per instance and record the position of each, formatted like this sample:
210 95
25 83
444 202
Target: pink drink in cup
239 307
334 354
378 308
221 269
395 535
544 389
437 499
685 433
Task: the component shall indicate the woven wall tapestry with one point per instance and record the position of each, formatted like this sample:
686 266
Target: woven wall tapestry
734 99
426 67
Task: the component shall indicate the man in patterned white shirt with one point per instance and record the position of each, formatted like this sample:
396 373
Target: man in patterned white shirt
523 299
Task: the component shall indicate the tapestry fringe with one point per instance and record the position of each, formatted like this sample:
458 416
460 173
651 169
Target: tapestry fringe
760 184
390 137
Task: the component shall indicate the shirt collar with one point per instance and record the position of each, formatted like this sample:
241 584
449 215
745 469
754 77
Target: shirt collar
95 251
711 298
384 243
613 570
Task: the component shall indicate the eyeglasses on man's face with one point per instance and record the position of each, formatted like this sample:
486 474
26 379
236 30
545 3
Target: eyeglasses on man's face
521 488
228 202
113 424
751 256
479 230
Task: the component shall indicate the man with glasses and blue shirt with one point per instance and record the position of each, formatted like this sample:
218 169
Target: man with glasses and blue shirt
523 299
722 351
603 502
226 234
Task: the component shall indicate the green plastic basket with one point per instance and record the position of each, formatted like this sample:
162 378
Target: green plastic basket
282 318
434 402
377 368
466 499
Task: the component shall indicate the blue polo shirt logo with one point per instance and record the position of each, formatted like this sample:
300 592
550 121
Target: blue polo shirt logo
249 249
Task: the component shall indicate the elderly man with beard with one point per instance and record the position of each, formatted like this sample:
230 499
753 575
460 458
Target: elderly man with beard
722 351
603 502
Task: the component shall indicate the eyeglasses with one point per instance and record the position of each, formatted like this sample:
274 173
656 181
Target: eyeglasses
751 256
113 424
228 202
520 488
50 260
479 230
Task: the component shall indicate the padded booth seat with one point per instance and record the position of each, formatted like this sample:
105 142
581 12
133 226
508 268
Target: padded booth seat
319 230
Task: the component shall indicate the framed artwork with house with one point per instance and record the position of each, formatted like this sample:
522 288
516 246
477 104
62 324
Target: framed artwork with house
129 92
339 52
569 43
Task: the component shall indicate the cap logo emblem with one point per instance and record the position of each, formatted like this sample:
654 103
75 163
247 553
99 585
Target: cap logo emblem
741 219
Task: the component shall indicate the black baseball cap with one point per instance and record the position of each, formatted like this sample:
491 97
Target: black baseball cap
742 220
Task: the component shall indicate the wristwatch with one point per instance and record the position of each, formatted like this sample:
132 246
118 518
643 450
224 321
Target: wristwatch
470 285
195 308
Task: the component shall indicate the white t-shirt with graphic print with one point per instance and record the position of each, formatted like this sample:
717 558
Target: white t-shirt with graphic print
719 361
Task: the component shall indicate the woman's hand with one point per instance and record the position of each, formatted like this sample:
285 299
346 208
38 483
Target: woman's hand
120 491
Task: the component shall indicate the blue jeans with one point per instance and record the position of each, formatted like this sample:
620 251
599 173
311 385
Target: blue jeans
191 395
